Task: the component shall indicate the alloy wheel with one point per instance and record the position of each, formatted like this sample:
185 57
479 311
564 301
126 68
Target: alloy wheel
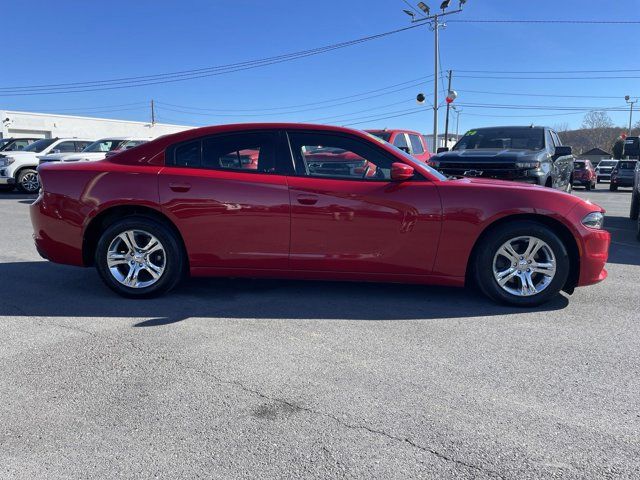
524 266
30 182
136 258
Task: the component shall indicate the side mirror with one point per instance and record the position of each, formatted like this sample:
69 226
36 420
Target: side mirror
405 149
442 149
563 151
401 172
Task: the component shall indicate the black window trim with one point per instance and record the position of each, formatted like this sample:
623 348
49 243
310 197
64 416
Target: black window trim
169 152
418 177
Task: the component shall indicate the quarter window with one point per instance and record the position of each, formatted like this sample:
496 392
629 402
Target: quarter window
332 156
188 155
400 141
416 144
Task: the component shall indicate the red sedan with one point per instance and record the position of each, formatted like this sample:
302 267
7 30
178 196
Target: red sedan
193 203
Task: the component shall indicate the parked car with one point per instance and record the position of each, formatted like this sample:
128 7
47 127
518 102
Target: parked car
19 168
125 146
623 174
584 174
93 150
409 141
524 154
178 205
604 169
15 144
635 199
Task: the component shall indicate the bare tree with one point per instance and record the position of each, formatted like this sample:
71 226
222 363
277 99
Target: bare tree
561 127
597 119
599 126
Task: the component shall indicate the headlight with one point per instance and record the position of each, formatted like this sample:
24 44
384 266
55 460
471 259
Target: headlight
594 220
528 164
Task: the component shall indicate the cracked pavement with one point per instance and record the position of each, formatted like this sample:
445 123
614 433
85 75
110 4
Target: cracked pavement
272 379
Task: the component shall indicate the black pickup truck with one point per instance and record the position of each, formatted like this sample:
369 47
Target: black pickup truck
524 154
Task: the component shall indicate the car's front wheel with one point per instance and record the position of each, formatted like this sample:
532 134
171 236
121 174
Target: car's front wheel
139 257
28 180
522 263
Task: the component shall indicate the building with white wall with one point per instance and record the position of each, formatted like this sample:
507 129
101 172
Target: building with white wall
48 125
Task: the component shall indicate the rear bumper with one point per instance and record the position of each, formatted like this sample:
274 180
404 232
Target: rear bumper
55 240
622 181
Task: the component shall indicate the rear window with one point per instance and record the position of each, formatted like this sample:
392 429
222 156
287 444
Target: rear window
578 165
607 163
626 165
380 134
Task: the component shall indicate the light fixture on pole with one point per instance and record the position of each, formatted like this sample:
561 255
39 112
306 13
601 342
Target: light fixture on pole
627 99
434 22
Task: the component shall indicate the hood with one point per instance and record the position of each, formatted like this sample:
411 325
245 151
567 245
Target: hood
19 153
55 156
505 154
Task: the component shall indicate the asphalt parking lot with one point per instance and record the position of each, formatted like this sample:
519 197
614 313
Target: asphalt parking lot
275 379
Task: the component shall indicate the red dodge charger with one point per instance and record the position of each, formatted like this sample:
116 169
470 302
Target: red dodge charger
310 202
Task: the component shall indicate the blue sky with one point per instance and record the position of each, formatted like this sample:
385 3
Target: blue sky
72 41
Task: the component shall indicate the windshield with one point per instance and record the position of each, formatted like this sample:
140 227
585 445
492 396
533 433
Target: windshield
3 142
523 138
607 163
104 145
40 145
386 136
411 159
626 165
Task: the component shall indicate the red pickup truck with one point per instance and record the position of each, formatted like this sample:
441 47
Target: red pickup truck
407 140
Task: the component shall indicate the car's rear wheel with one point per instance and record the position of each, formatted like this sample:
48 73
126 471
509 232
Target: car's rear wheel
28 180
635 205
139 257
613 188
588 186
522 263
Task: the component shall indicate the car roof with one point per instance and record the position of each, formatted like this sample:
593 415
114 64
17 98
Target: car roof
104 139
392 130
240 127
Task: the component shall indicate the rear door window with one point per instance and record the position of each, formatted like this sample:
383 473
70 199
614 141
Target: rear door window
416 144
65 147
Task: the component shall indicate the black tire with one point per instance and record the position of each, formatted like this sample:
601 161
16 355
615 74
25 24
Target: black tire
593 186
173 257
28 180
588 186
492 242
613 188
635 205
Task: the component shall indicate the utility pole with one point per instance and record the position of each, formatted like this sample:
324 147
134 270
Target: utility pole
153 113
434 23
436 56
631 103
446 122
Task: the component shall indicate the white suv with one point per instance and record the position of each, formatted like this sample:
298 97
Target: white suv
95 151
19 168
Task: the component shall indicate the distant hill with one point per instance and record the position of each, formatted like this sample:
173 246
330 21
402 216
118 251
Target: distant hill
585 139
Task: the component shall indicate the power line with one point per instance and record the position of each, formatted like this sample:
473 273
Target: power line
128 82
414 83
522 94
569 21
549 71
502 77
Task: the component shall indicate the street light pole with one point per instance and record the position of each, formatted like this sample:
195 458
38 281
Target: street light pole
434 22
435 84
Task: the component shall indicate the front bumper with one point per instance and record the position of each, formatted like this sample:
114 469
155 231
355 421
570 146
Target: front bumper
7 180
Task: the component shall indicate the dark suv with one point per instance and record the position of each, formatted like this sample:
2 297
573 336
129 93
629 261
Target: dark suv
623 174
524 154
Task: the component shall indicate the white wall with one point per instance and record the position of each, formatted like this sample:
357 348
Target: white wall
45 125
